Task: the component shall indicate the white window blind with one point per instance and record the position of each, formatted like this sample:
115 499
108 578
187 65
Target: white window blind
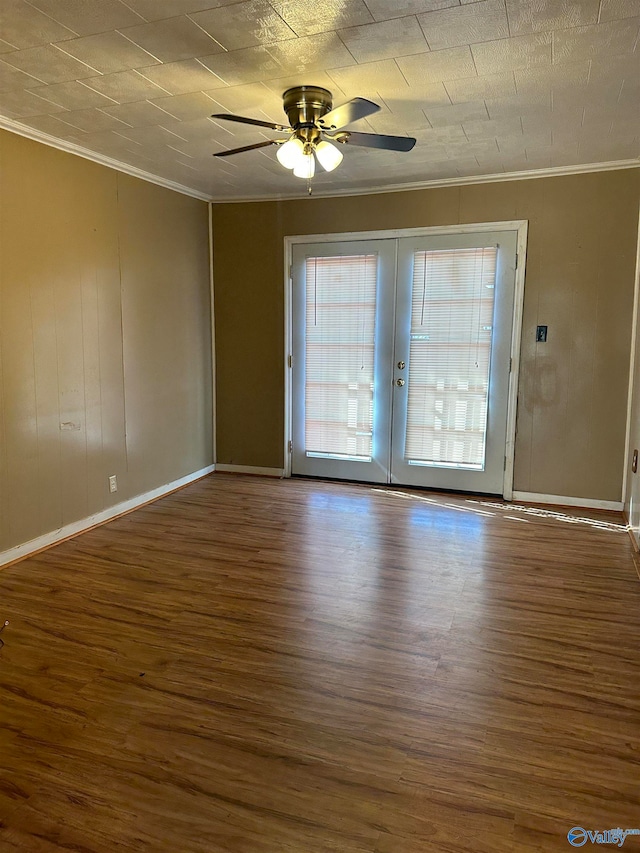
340 332
449 357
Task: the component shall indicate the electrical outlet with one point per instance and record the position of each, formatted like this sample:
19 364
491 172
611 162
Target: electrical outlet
113 484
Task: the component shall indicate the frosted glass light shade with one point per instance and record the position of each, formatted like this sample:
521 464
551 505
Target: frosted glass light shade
290 153
328 156
305 167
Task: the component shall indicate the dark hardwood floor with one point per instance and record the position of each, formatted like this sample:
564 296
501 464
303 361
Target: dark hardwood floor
264 666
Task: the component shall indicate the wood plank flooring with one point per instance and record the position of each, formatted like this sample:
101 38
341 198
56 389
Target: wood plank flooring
263 666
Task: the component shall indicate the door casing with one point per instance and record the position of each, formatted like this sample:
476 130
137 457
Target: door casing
519 225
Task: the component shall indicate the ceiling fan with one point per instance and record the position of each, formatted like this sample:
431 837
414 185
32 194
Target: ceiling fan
313 128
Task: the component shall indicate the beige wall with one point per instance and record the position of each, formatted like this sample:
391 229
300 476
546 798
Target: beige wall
104 324
573 390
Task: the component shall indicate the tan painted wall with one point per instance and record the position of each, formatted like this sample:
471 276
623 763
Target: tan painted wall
573 390
104 324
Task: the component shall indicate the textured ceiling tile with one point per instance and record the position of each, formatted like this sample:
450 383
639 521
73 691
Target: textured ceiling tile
151 135
13 78
516 144
322 51
457 114
607 150
250 65
629 96
519 105
564 155
538 159
370 78
137 113
480 88
73 96
107 52
492 128
249 99
565 120
406 100
108 142
450 135
173 39
21 102
395 124
306 17
86 17
23 26
244 24
49 64
382 10
532 16
614 69
610 39
611 10
181 78
200 131
440 65
461 25
569 75
92 120
50 125
186 107
156 10
627 129
385 40
125 86
595 120
306 78
508 54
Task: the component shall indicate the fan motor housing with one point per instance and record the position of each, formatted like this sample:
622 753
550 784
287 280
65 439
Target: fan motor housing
305 105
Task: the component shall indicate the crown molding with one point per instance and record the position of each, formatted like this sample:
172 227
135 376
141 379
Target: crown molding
553 172
101 159
71 148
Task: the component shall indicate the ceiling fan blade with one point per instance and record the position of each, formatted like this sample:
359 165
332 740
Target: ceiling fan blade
246 148
377 140
255 121
351 111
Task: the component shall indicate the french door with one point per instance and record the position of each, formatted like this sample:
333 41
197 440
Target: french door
401 352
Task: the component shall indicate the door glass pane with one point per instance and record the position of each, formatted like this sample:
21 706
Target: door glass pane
340 331
449 357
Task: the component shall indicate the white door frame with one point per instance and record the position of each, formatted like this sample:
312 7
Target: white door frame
519 225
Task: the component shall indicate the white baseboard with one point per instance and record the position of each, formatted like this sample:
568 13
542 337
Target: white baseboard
250 469
69 530
561 500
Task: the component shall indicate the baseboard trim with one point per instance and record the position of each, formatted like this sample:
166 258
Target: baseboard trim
28 549
250 469
561 500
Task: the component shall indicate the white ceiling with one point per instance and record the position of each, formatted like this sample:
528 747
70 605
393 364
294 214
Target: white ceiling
488 87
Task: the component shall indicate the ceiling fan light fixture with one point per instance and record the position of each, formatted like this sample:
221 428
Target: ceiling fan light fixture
328 156
291 153
305 167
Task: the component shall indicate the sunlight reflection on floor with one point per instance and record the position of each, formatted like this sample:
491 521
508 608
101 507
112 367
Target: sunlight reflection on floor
485 507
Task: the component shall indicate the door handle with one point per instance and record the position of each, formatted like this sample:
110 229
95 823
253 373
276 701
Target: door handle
399 382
